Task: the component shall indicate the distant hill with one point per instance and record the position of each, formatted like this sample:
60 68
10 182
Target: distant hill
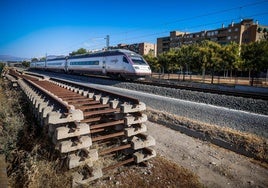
11 58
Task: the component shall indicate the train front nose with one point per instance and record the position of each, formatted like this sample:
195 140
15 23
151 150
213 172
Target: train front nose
142 70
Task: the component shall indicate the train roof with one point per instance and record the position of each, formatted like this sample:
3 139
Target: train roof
96 54
104 53
57 58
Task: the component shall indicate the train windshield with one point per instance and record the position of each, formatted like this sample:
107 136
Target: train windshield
137 60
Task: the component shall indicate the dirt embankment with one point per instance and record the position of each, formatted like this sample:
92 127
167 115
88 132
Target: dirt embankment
240 142
215 166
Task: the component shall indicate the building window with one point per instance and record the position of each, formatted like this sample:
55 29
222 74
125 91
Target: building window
236 29
229 38
216 32
235 37
229 30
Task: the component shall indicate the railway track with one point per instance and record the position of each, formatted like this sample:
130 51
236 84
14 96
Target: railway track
175 85
208 90
89 127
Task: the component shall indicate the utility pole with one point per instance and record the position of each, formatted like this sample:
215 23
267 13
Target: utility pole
107 42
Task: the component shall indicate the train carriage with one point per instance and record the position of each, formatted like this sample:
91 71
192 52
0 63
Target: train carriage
114 63
56 64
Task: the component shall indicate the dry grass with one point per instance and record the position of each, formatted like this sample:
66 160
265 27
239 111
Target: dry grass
30 162
11 118
252 143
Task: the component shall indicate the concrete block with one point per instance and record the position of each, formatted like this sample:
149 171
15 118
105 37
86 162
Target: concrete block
75 144
128 108
46 111
144 154
114 103
131 131
80 91
85 156
97 97
75 114
40 108
67 132
141 141
130 120
80 179
90 95
104 100
85 93
56 118
37 102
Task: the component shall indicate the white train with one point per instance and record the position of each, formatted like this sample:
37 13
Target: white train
115 63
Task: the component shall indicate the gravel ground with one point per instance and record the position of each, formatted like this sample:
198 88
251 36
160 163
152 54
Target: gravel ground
238 103
215 166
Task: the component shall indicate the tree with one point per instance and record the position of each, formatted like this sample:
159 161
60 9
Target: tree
79 51
172 60
187 58
230 57
209 53
26 63
203 56
255 56
163 61
34 59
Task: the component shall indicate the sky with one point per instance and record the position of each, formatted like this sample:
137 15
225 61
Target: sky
34 28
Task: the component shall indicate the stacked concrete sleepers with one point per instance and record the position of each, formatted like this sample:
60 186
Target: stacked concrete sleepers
116 129
93 132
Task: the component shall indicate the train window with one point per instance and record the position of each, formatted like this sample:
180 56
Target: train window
138 60
125 60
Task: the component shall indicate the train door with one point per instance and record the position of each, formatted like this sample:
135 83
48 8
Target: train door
126 65
66 65
104 66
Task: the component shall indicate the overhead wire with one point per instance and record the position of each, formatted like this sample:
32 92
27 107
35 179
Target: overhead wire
169 23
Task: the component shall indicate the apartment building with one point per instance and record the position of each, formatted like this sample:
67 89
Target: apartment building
243 32
140 48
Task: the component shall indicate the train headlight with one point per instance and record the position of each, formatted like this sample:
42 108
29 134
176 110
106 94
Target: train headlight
136 67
